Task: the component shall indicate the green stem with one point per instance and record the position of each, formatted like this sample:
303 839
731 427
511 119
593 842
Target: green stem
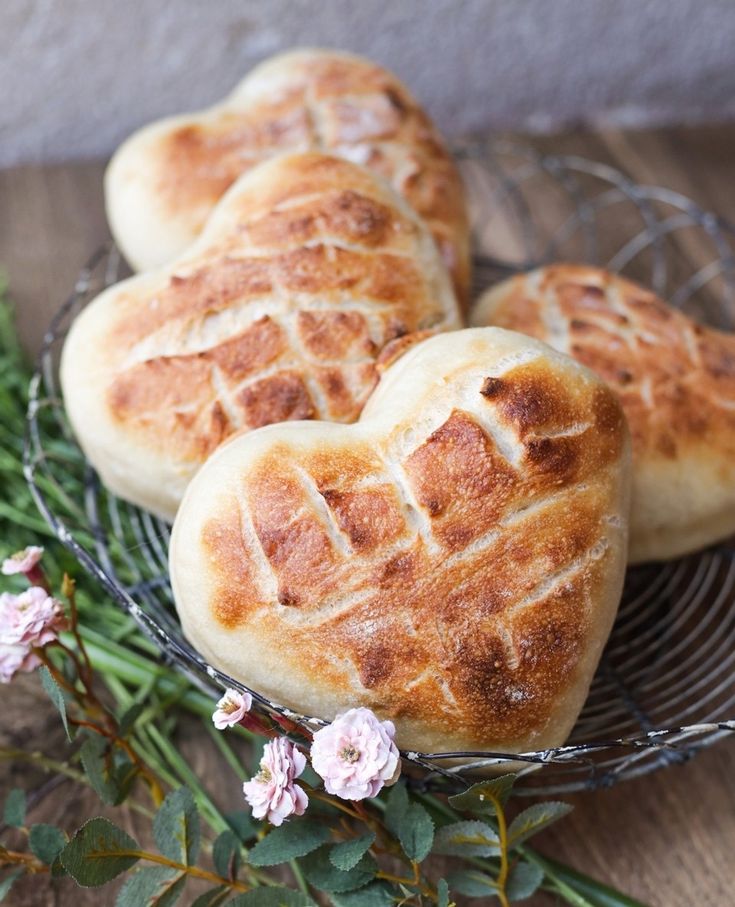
60 768
111 659
225 749
299 876
596 893
193 871
187 776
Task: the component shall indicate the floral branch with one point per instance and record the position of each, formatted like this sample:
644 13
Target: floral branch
355 761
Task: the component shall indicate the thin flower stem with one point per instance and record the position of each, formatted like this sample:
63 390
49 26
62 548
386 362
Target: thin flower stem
314 794
224 747
193 871
503 844
582 886
60 768
44 762
69 588
136 742
155 788
215 818
299 876
26 860
425 890
112 660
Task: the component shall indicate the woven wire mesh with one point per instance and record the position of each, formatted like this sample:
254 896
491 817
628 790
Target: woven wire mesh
666 683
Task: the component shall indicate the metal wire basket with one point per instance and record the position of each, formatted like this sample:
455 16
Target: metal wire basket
666 684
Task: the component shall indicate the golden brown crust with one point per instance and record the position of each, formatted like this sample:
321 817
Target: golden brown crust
309 268
321 100
459 583
675 378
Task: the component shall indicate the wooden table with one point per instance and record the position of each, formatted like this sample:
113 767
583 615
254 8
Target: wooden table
667 839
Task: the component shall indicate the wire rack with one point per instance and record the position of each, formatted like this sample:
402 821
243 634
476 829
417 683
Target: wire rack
665 687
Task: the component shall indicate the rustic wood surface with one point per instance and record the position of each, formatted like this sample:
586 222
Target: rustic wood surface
667 839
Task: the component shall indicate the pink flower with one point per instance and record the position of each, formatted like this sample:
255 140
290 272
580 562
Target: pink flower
272 793
32 618
231 709
22 561
16 658
356 755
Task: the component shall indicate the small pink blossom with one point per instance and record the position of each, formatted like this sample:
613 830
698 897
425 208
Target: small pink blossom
356 755
272 793
16 658
231 709
22 561
32 618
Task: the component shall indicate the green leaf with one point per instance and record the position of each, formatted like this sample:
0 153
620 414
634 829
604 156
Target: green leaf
320 872
377 894
478 798
98 852
8 881
46 842
523 881
242 824
293 839
467 839
226 853
15 808
442 892
55 695
271 897
416 832
155 886
472 883
97 763
129 717
212 898
533 819
396 804
349 853
176 827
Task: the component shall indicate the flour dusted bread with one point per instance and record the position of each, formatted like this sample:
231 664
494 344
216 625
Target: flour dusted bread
308 267
675 379
164 181
453 560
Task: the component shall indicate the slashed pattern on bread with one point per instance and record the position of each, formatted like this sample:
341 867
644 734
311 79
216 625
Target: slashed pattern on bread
309 266
164 181
453 560
674 377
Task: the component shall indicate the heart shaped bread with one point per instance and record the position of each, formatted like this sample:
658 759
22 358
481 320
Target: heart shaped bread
163 182
453 560
308 267
675 379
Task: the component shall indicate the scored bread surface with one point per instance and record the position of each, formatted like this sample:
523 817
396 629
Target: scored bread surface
453 560
163 182
674 377
308 267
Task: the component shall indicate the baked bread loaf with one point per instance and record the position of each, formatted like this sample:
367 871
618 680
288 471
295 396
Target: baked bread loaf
453 560
163 182
308 267
675 379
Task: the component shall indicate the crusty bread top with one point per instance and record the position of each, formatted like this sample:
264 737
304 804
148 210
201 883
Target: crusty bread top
308 267
674 377
453 560
171 174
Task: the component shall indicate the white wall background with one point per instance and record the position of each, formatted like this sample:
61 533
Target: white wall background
76 76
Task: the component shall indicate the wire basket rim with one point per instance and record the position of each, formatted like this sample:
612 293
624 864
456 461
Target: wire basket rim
675 743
